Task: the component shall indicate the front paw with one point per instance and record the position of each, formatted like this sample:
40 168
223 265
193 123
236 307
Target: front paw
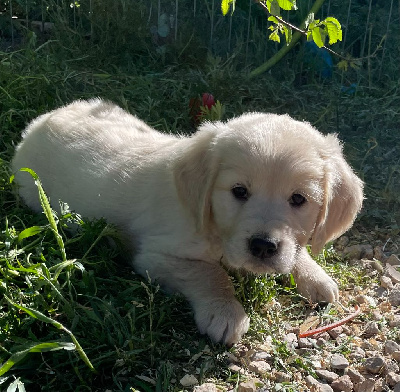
222 320
318 287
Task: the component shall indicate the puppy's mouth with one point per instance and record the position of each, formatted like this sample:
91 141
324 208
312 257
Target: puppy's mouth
275 264
265 255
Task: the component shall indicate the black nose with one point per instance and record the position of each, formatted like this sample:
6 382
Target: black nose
263 247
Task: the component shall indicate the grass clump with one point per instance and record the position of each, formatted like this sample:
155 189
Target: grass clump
90 314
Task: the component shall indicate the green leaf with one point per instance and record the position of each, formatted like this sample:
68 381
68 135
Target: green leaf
317 37
274 20
273 7
333 29
288 34
29 232
225 5
41 347
287 5
60 266
274 36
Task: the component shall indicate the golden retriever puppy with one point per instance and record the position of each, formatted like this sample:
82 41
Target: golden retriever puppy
249 193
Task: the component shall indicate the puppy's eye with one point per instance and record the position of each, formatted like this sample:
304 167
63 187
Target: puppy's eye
297 200
240 192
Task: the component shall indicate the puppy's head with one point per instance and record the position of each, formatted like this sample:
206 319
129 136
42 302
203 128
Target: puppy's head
266 184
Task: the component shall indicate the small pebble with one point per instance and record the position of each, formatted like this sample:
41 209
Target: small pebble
392 379
357 353
355 376
188 380
394 297
380 292
371 328
326 375
367 385
378 253
390 347
206 387
247 386
392 366
380 385
338 361
261 355
259 367
313 384
342 384
395 322
235 368
392 273
291 340
374 365
396 356
320 342
377 315
393 260
282 377
386 282
335 332
306 343
359 251
366 299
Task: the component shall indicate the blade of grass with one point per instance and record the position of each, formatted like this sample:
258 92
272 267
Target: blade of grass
44 201
37 348
40 316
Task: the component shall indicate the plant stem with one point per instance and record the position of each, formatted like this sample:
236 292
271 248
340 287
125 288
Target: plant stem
287 48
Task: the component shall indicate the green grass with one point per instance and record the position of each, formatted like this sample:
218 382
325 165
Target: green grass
114 319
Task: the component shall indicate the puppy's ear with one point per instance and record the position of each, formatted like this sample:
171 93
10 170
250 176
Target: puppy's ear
194 173
343 196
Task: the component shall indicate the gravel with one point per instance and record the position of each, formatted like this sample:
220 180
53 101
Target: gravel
360 356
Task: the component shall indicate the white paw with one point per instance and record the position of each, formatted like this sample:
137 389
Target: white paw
318 287
222 320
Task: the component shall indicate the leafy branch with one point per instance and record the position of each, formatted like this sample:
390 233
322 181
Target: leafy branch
313 29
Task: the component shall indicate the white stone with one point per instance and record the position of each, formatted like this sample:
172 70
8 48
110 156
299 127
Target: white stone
259 367
392 273
247 386
188 380
206 387
326 375
386 282
342 384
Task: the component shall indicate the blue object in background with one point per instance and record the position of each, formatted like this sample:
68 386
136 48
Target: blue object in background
319 59
349 90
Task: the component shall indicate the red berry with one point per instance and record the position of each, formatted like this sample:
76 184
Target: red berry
208 100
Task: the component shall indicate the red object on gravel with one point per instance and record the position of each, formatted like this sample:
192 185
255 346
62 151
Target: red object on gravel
357 311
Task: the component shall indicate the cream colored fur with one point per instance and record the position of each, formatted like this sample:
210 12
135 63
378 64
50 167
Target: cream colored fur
173 197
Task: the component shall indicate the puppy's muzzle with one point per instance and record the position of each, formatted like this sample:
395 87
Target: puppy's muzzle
263 247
